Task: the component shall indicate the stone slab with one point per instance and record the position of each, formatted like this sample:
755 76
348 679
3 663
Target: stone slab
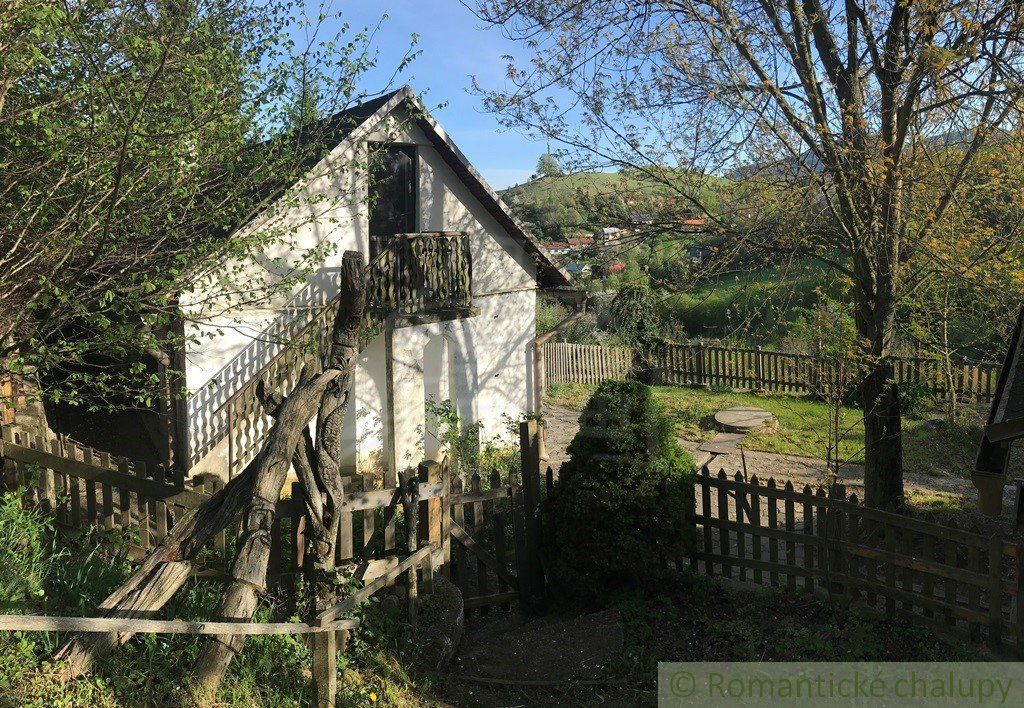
723 444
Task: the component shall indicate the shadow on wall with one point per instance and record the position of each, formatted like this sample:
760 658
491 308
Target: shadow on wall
208 422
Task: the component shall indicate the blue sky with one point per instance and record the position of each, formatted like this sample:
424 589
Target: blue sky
455 46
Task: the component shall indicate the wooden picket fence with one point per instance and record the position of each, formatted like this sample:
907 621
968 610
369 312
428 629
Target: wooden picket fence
952 579
585 363
484 514
747 368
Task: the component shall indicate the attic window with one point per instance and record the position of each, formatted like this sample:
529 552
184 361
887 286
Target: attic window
392 192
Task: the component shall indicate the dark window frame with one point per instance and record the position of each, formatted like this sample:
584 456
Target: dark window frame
412 215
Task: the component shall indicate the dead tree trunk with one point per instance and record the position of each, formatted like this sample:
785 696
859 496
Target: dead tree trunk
170 563
327 471
160 575
249 569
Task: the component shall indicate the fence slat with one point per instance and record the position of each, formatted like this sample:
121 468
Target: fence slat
755 519
773 524
809 532
706 511
790 522
724 547
741 505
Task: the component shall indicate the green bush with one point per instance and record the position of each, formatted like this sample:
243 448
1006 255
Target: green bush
624 500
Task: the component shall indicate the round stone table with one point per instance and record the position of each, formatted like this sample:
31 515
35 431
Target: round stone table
742 419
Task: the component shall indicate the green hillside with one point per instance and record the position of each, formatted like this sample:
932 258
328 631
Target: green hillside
558 206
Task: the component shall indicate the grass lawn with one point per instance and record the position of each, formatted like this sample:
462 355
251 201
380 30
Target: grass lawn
803 427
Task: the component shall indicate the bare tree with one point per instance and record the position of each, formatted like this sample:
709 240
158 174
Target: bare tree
851 129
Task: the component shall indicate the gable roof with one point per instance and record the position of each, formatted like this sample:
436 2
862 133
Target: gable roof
358 120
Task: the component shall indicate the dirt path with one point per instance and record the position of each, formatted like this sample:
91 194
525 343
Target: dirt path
563 423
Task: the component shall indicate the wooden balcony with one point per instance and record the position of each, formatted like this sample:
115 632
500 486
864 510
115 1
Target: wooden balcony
422 277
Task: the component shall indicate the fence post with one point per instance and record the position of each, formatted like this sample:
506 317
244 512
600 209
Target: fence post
995 592
1018 579
758 367
325 668
410 482
531 572
701 377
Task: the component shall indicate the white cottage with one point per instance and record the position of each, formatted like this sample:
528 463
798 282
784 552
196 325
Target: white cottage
454 278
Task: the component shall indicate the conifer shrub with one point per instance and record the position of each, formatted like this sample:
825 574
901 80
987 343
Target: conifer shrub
624 502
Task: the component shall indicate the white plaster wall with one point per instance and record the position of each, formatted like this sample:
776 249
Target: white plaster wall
491 350
491 366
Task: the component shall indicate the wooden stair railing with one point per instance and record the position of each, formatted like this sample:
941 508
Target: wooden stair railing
415 274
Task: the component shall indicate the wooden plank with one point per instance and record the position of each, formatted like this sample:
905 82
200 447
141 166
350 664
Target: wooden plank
821 533
157 508
766 532
790 523
380 498
895 593
35 623
501 492
810 541
740 507
329 615
107 496
853 564
973 592
460 534
773 525
61 487
950 553
705 508
752 564
345 535
755 521
995 593
500 555
1018 597
928 579
369 529
890 569
91 515
76 493
906 571
499 598
220 541
478 527
459 561
724 544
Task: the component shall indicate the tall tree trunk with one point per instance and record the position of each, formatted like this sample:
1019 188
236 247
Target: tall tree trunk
249 569
883 437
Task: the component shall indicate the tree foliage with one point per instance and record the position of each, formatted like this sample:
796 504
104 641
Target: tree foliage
853 129
547 166
134 137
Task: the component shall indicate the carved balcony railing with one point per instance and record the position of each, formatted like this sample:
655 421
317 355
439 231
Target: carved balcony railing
422 276
413 277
